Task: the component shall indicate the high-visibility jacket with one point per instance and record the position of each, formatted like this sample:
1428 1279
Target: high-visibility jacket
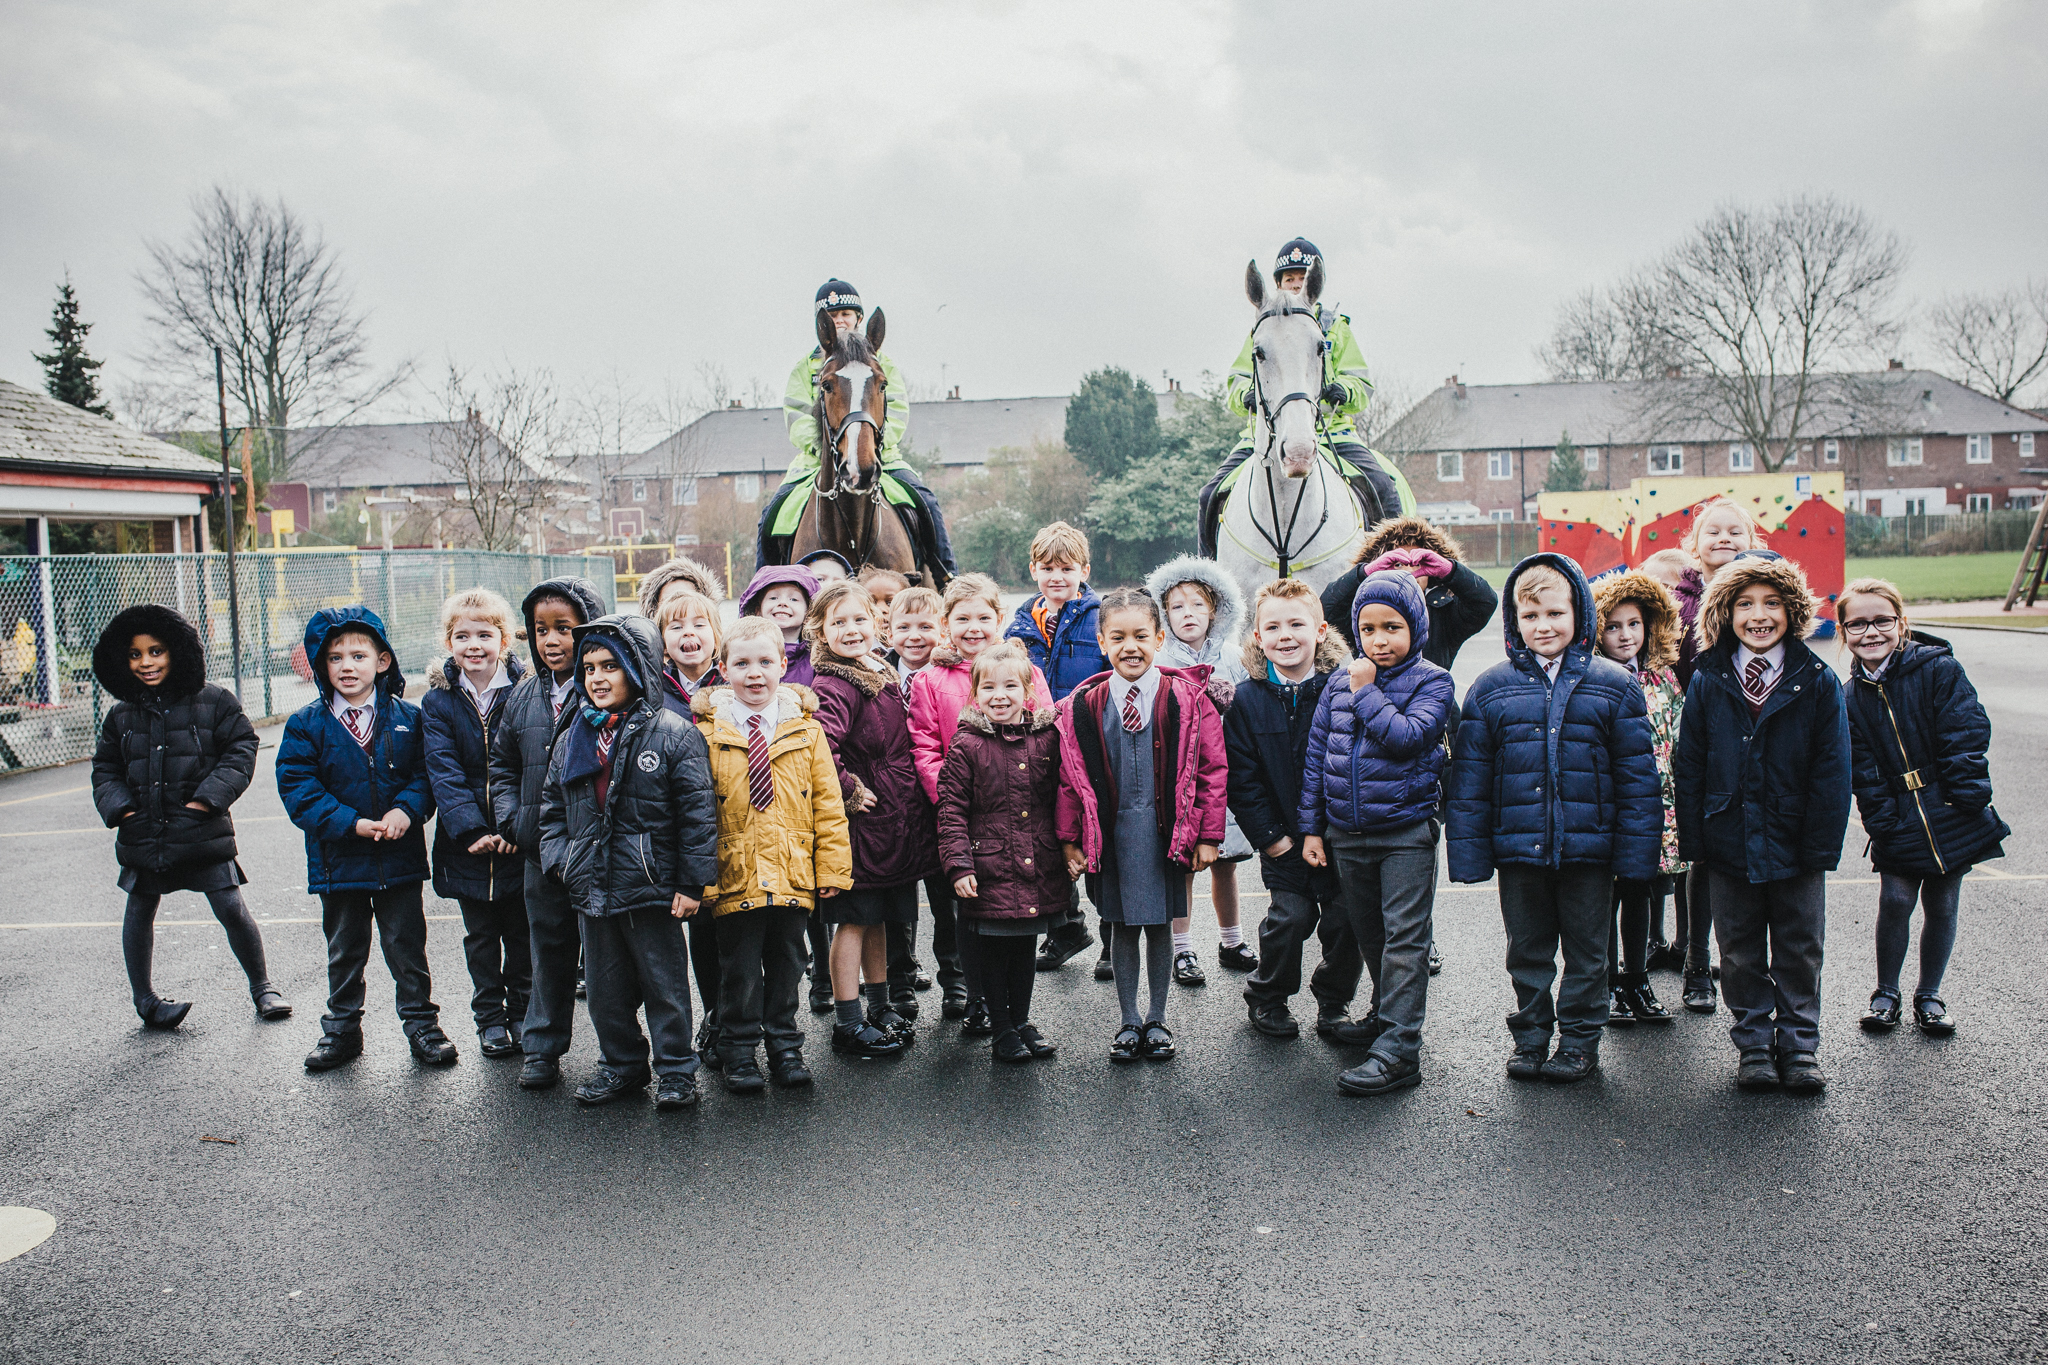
799 403
1343 363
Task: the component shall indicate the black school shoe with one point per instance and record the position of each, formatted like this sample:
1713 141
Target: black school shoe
606 1085
1238 957
540 1073
1644 1003
1933 1017
1757 1071
1035 1042
1527 1063
431 1046
1059 950
1620 1010
1436 960
1378 1076
1662 957
1105 970
270 1002
335 1049
787 1068
890 1020
904 1001
1158 1043
1363 1031
1699 992
1187 970
1009 1047
496 1041
743 1076
1800 1074
1883 1014
953 1005
1570 1066
978 1023
1127 1046
862 1040
675 1092
163 1014
1274 1021
821 996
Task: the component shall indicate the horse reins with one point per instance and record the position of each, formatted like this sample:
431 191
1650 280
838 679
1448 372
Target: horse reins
1283 557
855 416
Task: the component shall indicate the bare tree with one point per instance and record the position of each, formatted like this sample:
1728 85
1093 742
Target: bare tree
1768 312
1995 343
1603 335
255 280
506 443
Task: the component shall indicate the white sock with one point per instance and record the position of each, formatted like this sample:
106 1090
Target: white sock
1184 942
1233 934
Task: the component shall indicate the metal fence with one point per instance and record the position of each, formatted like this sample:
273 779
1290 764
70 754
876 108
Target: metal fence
53 608
1494 544
2003 532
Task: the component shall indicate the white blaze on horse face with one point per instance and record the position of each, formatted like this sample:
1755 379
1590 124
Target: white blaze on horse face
857 377
1291 363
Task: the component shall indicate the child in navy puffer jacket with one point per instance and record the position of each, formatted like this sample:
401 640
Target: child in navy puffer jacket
1555 784
1369 794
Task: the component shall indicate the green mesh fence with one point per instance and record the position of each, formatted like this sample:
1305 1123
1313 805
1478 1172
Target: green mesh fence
53 608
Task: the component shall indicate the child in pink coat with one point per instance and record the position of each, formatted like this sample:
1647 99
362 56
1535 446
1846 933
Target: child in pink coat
974 621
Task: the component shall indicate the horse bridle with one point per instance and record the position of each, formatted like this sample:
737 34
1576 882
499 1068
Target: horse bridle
1283 557
855 416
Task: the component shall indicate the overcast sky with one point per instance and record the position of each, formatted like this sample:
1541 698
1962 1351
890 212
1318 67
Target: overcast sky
1030 190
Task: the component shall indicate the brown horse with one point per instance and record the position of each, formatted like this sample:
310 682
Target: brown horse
848 511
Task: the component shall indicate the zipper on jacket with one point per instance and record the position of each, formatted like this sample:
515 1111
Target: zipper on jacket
491 814
1911 777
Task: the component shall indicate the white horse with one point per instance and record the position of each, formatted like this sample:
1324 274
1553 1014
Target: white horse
1291 514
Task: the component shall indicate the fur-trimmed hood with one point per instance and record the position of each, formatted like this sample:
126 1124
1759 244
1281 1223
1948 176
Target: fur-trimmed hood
681 569
792 702
442 677
1748 569
945 656
1192 569
187 673
1659 608
974 718
1401 533
870 681
1331 655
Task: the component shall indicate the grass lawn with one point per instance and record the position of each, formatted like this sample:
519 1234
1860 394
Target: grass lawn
1921 578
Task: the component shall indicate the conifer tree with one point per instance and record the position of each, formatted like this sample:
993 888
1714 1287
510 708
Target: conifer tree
1567 472
68 370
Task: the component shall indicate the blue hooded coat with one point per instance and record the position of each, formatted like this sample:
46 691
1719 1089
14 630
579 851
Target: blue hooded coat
1555 775
458 749
1073 657
328 781
1376 755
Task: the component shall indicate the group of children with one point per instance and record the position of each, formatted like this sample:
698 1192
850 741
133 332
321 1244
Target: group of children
785 786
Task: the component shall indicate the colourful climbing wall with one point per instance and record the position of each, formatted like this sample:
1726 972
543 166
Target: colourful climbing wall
1609 528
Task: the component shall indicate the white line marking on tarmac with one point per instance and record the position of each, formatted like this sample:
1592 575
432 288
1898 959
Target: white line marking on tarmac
24 800
102 829
22 1230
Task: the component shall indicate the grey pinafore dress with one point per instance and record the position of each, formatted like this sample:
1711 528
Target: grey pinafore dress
1138 885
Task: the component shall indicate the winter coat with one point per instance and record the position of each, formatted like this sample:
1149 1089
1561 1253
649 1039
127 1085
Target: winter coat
1653 667
183 740
1265 735
1922 717
799 845
1376 755
1764 796
524 737
996 795
1459 606
655 834
1189 764
796 654
1554 775
1220 649
1690 592
867 723
677 698
328 781
458 748
1073 657
938 694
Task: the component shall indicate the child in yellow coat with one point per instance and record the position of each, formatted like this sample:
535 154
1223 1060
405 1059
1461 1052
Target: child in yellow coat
782 845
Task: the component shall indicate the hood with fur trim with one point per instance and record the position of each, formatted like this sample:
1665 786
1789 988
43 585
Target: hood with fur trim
792 702
1401 533
1331 655
870 681
1750 569
681 569
187 673
973 718
1191 569
1660 614
442 677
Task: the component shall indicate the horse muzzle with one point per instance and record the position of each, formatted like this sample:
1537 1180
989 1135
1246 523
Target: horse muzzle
1296 458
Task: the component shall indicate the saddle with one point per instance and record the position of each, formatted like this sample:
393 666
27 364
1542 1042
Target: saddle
917 519
1209 527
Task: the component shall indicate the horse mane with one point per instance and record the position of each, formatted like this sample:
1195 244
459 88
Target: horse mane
852 348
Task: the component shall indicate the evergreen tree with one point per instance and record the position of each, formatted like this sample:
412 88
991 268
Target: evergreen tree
1567 472
68 370
1113 423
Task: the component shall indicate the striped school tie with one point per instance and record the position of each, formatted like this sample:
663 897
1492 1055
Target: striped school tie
760 781
357 719
1753 685
1133 722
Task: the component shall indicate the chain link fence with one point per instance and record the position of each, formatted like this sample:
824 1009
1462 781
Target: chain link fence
1960 533
53 608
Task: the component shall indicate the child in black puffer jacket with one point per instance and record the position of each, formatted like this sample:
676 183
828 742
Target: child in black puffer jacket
1917 737
174 753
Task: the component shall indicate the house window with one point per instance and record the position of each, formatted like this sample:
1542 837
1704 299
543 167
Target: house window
746 487
683 492
1741 459
1916 507
329 500
1500 464
2026 445
1977 502
1903 451
1831 452
1977 449
1501 514
639 490
1450 467
1592 459
1667 459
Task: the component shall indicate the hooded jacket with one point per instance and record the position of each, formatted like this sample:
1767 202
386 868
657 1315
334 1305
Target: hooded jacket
1663 698
655 834
458 753
183 740
1265 735
938 694
1189 764
867 724
995 817
799 845
1376 755
1220 651
1073 656
1554 775
797 671
328 781
1918 738
1764 797
1690 592
524 737
1459 606
681 569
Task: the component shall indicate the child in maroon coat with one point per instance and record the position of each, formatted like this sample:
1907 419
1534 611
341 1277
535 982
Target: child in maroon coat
997 788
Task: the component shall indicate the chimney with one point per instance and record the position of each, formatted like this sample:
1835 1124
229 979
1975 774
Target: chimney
1672 372
1458 385
732 402
1896 365
954 395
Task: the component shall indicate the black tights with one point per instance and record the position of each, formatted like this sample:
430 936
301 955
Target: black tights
1158 940
1001 970
1628 937
138 938
1692 918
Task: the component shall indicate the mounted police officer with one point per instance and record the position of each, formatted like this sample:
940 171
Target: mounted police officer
780 515
1346 391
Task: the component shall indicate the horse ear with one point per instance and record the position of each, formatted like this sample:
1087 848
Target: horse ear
877 329
828 333
1254 284
1312 288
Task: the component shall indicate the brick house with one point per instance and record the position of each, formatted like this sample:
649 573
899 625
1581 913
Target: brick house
1928 445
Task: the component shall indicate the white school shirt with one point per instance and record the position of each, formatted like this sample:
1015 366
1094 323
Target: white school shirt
1147 688
1774 657
482 700
366 714
1551 664
559 696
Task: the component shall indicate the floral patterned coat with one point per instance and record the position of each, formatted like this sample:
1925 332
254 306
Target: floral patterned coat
1665 699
